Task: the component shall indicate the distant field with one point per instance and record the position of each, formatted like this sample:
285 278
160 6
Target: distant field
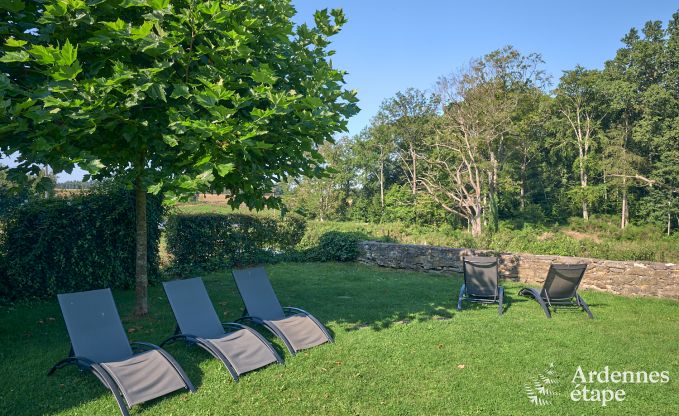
598 238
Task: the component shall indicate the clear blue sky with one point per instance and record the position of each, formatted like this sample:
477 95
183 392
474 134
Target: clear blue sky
390 45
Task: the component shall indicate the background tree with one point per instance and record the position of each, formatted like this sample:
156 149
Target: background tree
170 96
406 117
579 104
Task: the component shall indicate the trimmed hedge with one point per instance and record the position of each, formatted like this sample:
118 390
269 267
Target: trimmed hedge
81 243
214 241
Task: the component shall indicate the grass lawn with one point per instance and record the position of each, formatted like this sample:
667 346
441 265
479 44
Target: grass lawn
401 348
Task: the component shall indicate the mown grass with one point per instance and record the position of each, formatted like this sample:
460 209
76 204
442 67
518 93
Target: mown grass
400 349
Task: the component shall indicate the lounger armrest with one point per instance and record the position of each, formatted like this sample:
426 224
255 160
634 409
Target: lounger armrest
80 361
143 346
298 310
248 318
234 325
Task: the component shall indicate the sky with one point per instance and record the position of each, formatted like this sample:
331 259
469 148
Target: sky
390 45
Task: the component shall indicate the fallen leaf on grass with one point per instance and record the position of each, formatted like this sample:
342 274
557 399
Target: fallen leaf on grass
460 366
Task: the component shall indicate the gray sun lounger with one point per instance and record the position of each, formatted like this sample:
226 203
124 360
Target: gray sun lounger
297 328
242 349
480 285
560 288
99 345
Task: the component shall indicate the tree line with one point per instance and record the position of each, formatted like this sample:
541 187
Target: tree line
496 140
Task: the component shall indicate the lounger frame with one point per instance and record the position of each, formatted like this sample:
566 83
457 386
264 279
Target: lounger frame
546 302
109 380
499 295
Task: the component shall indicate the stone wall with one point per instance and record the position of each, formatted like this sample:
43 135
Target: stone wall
620 277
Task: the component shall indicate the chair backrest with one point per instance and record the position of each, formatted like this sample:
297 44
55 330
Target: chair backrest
480 275
562 281
193 309
258 296
94 326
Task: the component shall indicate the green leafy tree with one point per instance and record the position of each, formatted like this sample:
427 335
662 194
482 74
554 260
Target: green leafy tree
172 96
580 106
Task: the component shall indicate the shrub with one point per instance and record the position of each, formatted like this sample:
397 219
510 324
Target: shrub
338 246
214 241
74 244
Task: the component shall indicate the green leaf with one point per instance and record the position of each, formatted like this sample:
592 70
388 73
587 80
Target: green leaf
203 160
159 4
19 56
118 25
170 140
180 90
155 189
15 43
44 55
142 31
69 54
224 169
264 75
157 92
65 73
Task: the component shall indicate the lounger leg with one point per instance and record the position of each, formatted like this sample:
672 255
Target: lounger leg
529 291
501 300
218 355
459 299
584 305
108 381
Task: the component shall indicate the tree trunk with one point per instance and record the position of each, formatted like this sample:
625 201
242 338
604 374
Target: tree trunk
413 155
583 185
382 184
522 194
476 224
141 263
624 216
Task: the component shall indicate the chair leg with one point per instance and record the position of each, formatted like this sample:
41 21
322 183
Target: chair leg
459 299
584 305
501 300
529 291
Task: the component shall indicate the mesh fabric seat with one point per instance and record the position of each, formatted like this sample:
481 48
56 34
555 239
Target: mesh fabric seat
241 350
297 328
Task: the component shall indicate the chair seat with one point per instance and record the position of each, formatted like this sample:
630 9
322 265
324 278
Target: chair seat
245 351
301 331
144 377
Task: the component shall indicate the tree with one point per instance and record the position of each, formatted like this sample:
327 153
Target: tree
580 104
480 105
326 197
171 96
374 148
642 82
406 117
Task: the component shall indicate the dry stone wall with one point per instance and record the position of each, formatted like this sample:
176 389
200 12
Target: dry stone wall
620 277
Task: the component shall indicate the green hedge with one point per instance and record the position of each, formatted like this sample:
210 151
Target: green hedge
213 241
86 242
